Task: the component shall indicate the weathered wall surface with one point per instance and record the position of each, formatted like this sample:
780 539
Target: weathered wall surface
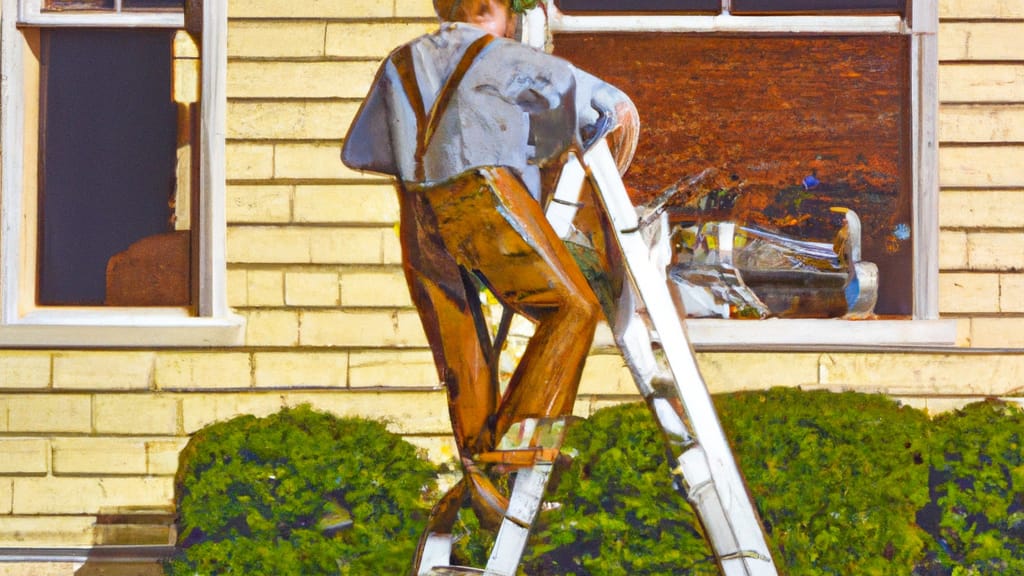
314 268
981 129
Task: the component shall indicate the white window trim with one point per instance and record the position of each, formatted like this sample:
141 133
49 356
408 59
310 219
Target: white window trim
31 13
924 328
22 323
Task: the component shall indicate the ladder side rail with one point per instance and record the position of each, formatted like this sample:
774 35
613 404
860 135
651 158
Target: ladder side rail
696 400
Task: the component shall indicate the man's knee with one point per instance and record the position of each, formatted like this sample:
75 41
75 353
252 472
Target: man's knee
581 307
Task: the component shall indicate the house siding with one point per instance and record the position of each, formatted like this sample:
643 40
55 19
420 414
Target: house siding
314 267
981 131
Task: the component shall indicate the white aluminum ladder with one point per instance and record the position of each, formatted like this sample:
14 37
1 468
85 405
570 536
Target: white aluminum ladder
711 478
713 482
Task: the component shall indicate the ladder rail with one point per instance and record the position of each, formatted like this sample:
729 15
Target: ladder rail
724 472
715 487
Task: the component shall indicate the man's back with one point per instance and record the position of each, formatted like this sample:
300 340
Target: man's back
509 105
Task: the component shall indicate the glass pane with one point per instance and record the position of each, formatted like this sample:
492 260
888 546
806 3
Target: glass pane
153 4
818 6
108 176
792 125
58 5
678 6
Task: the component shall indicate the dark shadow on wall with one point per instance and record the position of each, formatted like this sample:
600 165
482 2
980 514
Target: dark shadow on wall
130 542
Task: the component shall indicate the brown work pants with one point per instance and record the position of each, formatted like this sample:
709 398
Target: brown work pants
485 222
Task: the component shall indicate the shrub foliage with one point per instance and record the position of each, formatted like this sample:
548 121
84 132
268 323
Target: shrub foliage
976 509
845 484
299 493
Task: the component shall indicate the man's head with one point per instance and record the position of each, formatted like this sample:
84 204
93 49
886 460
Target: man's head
494 16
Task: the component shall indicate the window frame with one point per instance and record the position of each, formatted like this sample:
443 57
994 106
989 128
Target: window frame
210 322
31 13
726 6
924 328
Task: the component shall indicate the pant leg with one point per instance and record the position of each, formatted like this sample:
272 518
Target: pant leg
493 227
436 288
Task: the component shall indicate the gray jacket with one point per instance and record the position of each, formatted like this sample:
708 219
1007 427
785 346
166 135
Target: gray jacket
514 106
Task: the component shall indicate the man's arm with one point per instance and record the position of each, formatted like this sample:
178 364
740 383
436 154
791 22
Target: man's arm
605 111
368 142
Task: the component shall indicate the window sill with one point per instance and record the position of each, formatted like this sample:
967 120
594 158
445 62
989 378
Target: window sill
102 327
811 334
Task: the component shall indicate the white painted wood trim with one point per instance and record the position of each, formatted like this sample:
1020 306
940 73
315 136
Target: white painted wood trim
924 15
814 333
98 327
925 114
12 128
143 332
104 20
213 213
806 334
30 13
725 22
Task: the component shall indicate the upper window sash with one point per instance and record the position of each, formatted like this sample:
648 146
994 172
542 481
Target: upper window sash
734 6
725 22
34 13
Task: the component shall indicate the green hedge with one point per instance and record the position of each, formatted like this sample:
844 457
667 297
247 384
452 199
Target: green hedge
976 508
299 493
845 483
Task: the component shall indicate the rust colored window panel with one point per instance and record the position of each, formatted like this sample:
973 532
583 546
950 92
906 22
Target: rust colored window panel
57 5
108 156
793 125
670 6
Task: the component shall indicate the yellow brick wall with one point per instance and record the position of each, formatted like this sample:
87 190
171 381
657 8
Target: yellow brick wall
314 267
981 132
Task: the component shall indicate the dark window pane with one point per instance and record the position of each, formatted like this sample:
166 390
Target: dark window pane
57 5
679 6
818 6
153 4
107 155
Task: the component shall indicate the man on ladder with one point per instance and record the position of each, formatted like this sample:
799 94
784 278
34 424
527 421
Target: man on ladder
476 129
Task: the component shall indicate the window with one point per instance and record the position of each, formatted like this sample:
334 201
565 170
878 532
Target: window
107 179
113 178
798 105
111 13
734 6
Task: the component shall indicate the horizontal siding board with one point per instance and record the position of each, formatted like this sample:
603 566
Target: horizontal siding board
290 120
299 79
982 208
991 41
363 40
981 123
981 83
981 166
276 39
978 9
353 9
